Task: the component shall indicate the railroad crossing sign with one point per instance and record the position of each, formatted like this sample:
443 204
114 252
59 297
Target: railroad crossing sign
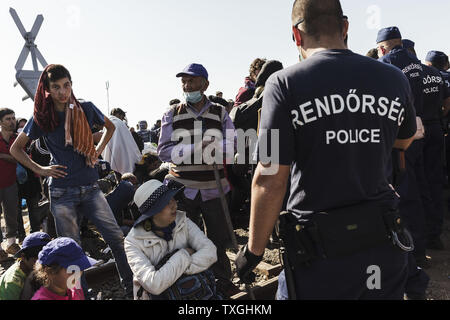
28 79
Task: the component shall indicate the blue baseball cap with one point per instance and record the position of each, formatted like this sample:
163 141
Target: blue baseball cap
408 43
34 240
195 70
436 57
65 252
388 34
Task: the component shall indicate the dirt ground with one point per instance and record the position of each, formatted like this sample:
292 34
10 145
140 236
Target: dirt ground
439 286
438 289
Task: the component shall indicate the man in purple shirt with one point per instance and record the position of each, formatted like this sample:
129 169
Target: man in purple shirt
208 125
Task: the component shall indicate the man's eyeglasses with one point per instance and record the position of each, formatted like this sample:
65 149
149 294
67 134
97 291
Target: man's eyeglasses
299 22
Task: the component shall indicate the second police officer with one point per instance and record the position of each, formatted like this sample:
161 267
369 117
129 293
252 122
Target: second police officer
336 128
391 51
436 102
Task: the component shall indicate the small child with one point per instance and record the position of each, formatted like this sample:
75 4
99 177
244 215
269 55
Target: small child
162 230
13 280
57 267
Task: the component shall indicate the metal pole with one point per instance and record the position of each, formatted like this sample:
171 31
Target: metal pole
223 200
225 208
107 94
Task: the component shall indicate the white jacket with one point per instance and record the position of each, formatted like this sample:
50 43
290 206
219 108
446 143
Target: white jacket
144 250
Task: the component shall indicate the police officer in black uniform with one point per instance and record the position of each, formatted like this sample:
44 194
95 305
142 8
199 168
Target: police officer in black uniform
430 180
391 51
436 101
337 128
439 60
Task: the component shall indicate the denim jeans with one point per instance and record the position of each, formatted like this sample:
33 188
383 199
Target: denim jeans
69 205
8 201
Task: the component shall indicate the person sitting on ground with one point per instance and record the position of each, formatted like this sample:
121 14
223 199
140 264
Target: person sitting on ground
151 167
162 230
56 264
121 198
13 280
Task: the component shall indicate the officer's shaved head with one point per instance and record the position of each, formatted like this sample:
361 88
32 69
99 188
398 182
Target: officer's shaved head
321 18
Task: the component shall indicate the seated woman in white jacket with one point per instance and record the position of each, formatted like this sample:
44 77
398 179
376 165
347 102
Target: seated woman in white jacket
162 230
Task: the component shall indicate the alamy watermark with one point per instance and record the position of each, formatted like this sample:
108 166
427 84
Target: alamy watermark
74 280
202 146
74 17
374 280
374 19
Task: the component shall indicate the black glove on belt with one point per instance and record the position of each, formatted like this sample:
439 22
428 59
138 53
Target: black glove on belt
245 263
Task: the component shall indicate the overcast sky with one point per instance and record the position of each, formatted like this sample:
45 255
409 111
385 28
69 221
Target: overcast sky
140 45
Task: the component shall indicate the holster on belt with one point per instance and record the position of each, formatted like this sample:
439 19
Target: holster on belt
342 232
296 237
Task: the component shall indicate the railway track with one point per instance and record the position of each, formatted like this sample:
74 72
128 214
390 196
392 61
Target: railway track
264 290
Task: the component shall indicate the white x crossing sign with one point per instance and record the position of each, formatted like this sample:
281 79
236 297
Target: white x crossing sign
28 79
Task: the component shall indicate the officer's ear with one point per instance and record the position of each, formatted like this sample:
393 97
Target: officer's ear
297 36
381 51
345 25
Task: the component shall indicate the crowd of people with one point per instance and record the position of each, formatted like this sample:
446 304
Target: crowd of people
158 202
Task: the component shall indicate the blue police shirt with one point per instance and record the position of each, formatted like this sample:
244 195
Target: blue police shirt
78 173
434 90
337 126
412 68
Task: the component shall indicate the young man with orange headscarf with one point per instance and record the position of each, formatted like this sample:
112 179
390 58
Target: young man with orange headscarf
66 124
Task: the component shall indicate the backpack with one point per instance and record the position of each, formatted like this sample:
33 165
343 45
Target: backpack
245 116
200 286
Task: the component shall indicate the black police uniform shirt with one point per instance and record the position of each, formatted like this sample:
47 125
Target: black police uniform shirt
434 92
446 76
412 68
337 115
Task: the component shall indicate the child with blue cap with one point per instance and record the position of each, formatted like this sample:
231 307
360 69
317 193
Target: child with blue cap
13 280
61 262
160 231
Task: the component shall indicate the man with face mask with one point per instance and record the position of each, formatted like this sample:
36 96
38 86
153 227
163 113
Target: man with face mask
331 125
187 131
